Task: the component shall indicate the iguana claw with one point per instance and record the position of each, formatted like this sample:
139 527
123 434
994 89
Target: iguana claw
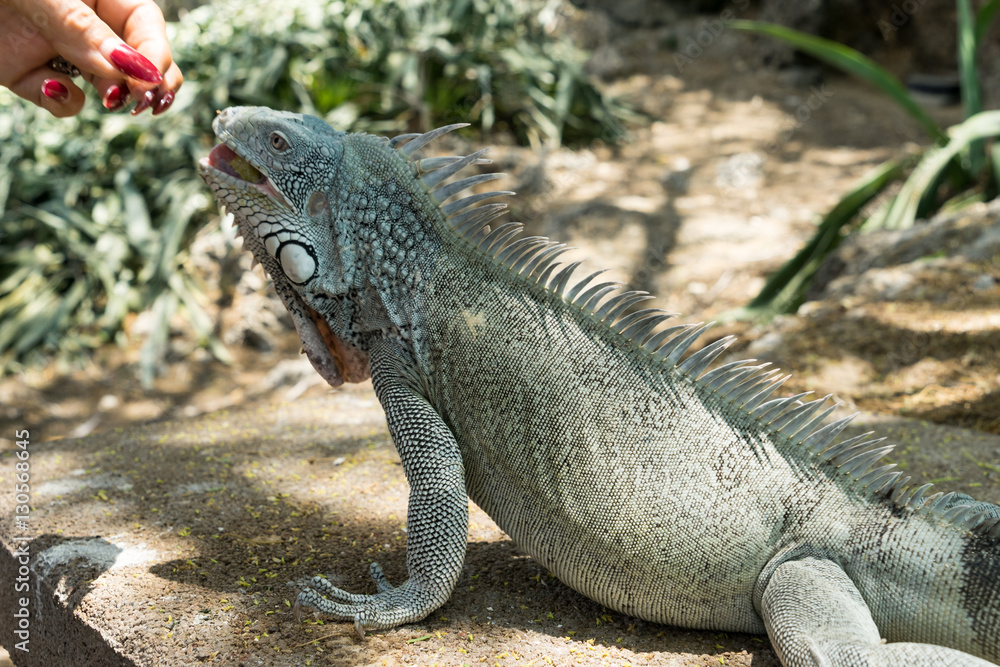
391 606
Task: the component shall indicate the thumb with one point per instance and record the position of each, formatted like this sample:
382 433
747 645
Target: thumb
76 32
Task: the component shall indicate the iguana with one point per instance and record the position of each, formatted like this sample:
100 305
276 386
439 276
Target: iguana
641 477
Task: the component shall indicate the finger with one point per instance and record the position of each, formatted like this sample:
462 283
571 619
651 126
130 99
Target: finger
174 78
141 24
22 47
158 99
54 92
114 93
73 29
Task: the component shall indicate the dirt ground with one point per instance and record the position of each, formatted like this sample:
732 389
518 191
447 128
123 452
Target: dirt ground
723 183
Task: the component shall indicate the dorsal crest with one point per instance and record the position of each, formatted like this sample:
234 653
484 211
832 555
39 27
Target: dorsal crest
745 386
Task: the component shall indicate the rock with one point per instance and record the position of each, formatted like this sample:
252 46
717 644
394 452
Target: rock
984 282
740 171
917 262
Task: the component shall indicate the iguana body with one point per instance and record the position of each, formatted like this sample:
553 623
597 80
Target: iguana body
656 488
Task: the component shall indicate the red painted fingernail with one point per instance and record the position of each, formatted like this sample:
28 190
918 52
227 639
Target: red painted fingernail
54 90
115 98
130 62
164 103
144 102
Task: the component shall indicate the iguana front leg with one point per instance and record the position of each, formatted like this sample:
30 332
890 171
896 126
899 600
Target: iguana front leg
437 517
815 616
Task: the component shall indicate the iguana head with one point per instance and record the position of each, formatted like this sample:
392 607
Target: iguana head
276 173
349 226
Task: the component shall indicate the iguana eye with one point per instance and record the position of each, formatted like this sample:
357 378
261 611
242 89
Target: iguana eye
278 142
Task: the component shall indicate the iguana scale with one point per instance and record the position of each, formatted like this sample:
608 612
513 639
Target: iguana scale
583 427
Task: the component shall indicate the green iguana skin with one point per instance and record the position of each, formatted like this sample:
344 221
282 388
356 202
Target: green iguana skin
646 483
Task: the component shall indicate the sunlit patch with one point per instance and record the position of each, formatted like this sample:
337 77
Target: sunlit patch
474 321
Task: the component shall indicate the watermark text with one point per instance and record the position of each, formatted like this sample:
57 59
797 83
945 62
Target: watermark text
22 553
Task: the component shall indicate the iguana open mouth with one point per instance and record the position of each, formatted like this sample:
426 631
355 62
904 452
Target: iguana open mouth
224 159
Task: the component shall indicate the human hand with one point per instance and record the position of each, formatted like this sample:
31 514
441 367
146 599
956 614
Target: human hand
103 44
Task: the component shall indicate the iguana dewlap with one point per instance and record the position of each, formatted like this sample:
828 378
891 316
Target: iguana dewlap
658 488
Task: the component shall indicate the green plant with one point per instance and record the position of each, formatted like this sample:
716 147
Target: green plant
97 211
957 157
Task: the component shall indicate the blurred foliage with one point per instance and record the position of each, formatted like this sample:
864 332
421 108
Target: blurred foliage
960 167
96 211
